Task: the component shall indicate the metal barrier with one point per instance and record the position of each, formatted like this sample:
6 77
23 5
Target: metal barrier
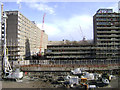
77 62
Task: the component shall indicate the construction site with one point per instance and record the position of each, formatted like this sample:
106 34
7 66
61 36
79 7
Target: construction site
29 49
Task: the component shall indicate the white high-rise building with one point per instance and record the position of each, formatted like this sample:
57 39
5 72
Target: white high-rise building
23 36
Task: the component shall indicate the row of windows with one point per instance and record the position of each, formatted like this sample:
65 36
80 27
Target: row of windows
107 19
70 46
105 33
108 30
107 15
108 23
109 38
114 42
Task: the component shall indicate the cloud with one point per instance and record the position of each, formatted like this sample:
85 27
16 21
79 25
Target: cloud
50 29
72 27
69 29
114 7
41 7
62 0
19 3
55 6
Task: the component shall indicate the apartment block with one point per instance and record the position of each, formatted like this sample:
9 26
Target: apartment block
107 34
23 36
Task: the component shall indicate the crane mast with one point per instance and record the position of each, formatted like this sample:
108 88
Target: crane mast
41 38
1 11
6 64
6 67
82 33
7 72
43 21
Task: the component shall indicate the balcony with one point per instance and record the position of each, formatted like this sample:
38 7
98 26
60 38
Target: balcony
109 36
13 50
108 28
80 52
106 49
69 48
110 32
106 20
108 39
103 15
107 16
108 44
73 56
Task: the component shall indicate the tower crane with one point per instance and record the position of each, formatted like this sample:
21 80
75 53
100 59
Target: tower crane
41 38
82 33
43 21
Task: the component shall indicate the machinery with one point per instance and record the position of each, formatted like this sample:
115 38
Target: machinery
104 78
7 72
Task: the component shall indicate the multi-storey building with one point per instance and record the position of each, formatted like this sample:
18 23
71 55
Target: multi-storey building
23 36
85 51
106 45
119 7
107 34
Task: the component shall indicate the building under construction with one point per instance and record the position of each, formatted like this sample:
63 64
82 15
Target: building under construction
23 36
106 45
71 51
24 39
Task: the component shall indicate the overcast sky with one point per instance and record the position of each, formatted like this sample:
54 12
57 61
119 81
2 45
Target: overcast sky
63 20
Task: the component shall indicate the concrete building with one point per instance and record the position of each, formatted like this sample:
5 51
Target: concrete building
55 42
119 7
23 36
84 51
106 45
107 34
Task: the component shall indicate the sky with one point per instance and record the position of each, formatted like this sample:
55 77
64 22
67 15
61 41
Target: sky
63 20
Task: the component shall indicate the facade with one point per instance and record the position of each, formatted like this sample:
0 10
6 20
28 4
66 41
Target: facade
55 42
23 36
107 34
70 52
119 7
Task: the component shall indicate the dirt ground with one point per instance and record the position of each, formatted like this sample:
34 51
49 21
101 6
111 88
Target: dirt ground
26 83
